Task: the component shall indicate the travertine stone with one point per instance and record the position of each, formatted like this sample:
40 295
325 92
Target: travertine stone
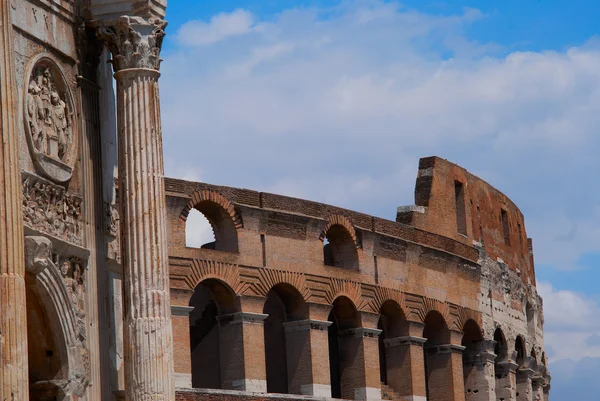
13 320
135 45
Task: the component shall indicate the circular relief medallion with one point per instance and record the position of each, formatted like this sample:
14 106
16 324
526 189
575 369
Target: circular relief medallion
50 119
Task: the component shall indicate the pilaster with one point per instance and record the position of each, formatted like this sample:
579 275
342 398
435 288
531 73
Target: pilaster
135 44
480 382
13 319
242 348
406 366
307 357
445 373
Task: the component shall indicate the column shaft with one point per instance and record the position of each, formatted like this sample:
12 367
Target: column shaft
445 380
13 316
147 332
405 366
307 358
242 349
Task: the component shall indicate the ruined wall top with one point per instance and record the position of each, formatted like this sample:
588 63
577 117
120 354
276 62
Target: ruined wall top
454 203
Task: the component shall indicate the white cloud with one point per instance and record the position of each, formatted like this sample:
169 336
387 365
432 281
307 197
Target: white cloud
337 106
198 230
220 27
572 323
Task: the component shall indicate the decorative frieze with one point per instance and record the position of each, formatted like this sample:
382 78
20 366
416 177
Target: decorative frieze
49 209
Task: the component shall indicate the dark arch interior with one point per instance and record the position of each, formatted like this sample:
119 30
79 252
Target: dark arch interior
472 339
46 359
436 332
343 316
392 323
284 304
520 348
223 227
211 298
339 249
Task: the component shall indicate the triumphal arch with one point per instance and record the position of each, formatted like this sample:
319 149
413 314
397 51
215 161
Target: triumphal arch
102 299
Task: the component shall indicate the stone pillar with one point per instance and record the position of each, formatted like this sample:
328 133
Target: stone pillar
524 388
135 44
359 364
242 348
506 380
406 367
480 382
13 318
307 360
182 356
445 380
546 392
537 388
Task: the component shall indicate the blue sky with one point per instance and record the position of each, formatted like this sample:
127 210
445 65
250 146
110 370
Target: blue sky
336 102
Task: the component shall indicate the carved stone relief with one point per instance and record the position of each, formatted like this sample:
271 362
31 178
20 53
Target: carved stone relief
48 208
112 219
50 122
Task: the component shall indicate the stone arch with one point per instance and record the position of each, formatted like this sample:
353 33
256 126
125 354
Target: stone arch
475 375
343 288
201 270
340 241
212 299
382 295
222 216
521 351
49 296
270 278
284 305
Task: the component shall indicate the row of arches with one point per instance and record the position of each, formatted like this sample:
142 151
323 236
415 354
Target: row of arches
210 226
212 351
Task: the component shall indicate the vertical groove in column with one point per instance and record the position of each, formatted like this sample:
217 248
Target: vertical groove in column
13 318
148 354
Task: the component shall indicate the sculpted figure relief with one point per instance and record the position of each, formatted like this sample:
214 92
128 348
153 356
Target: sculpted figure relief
48 208
49 115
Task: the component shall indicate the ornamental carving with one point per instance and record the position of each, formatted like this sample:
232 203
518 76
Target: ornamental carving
48 208
134 42
49 120
73 274
112 219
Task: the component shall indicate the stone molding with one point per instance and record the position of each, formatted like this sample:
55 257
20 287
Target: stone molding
181 310
242 317
135 42
360 332
402 341
445 349
307 324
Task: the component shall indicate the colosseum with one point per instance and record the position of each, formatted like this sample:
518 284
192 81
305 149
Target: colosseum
298 297
101 299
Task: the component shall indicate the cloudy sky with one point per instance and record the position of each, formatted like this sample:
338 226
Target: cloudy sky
336 102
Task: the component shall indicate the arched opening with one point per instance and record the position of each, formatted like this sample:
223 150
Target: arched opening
501 367
46 356
392 324
520 349
284 304
474 368
211 298
437 374
339 249
198 231
210 226
530 313
343 317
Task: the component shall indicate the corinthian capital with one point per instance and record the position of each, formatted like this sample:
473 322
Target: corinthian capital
135 42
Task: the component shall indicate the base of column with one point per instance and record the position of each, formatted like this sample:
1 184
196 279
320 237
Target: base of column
250 385
183 380
367 393
316 390
414 398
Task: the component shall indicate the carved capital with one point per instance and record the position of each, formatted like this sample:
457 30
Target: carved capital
135 42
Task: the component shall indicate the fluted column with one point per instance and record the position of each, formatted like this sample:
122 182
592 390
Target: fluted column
135 44
13 318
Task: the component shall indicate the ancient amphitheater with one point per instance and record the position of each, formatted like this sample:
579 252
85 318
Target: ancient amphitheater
101 300
298 297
